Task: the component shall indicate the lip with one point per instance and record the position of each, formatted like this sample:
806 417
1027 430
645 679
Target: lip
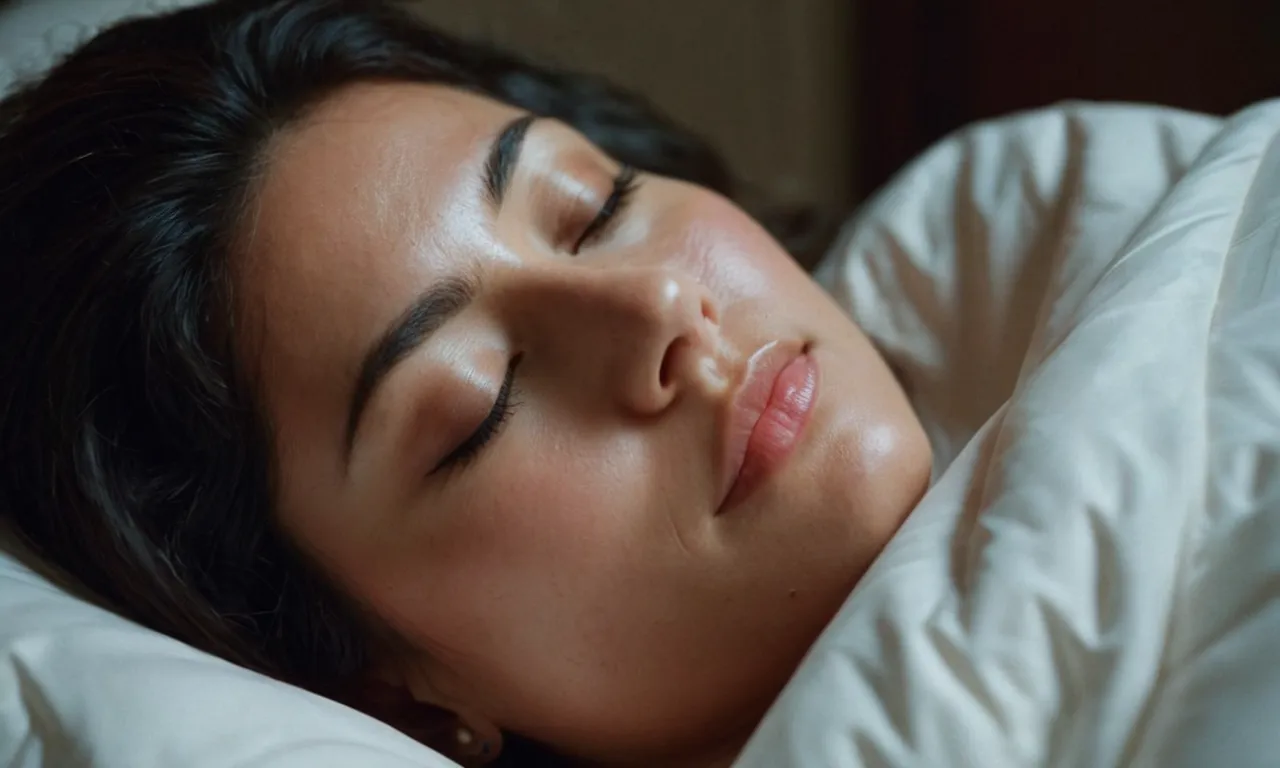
766 417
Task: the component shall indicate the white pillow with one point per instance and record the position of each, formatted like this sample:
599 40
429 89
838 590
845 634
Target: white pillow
1092 581
947 267
80 686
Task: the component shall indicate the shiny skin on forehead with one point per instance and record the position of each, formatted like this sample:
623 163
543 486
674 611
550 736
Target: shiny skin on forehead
372 173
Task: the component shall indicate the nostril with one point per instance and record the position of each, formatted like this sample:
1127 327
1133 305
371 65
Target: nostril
667 371
709 311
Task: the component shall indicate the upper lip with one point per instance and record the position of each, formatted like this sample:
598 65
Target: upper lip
743 409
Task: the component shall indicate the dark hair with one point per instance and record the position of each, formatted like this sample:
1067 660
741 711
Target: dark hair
134 454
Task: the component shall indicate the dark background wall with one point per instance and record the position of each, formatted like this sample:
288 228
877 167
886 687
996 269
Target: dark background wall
770 81
930 66
821 100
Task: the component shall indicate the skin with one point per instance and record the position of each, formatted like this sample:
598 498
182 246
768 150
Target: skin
572 582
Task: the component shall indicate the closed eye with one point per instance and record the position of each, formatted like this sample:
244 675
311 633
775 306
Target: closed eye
503 407
624 186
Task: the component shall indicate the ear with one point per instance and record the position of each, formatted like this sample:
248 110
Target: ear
401 696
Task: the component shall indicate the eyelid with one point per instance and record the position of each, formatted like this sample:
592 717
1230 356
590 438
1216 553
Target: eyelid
504 406
625 184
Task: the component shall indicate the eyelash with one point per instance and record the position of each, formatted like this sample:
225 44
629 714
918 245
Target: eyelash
503 407
624 186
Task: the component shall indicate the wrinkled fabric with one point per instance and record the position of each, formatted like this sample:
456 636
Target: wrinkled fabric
81 687
1085 304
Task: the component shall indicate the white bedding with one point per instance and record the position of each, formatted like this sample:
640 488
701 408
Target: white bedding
1087 304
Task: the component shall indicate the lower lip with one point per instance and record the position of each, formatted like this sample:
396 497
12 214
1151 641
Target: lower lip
779 428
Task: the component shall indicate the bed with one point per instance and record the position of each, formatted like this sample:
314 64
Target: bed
1085 304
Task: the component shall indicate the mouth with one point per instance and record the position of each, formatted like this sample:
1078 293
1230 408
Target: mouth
766 418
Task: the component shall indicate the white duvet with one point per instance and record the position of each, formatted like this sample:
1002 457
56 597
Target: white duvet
1087 303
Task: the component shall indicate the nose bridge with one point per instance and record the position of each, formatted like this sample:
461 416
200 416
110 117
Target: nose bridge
656 298
628 334
626 300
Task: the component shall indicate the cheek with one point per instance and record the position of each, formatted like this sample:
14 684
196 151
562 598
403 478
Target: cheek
583 569
726 249
522 547
878 461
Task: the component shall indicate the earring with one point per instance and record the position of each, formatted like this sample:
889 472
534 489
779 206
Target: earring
476 743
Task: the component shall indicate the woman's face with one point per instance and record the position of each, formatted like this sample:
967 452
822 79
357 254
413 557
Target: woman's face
508 426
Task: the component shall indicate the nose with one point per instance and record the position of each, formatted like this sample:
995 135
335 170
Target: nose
639 336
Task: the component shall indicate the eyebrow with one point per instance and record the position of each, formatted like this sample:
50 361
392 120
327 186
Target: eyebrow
504 155
426 315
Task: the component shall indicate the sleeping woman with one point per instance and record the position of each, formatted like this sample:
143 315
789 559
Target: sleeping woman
453 388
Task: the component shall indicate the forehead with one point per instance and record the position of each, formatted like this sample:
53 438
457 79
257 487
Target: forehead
359 205
368 174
